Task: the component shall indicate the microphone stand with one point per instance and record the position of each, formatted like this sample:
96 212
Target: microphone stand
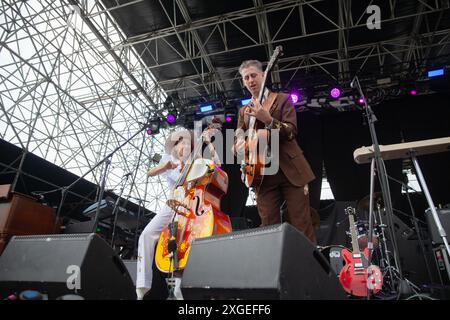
101 193
378 162
107 161
116 207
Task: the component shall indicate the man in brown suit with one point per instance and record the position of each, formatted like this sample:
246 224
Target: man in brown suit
290 183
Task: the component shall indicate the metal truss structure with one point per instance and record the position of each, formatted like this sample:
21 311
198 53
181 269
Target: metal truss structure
76 79
68 97
422 35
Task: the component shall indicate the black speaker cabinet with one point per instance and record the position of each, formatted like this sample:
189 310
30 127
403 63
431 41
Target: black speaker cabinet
64 264
276 262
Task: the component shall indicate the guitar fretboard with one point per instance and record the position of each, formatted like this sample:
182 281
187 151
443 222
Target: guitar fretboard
354 235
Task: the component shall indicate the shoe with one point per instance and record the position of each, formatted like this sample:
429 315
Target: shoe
141 292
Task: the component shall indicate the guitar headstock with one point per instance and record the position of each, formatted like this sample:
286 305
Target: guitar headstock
276 54
350 211
278 51
215 123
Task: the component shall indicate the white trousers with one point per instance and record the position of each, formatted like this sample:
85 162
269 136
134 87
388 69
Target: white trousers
146 247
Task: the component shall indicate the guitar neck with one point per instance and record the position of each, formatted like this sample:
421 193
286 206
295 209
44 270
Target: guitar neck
277 52
355 246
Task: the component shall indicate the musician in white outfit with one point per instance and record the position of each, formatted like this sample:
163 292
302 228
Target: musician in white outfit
178 148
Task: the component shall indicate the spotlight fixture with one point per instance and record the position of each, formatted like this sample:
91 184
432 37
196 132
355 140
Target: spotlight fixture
153 127
335 93
295 97
230 113
171 118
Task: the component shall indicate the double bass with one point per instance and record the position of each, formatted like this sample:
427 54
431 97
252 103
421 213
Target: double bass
253 164
196 203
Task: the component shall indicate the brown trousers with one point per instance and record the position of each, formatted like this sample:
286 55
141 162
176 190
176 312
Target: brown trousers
270 195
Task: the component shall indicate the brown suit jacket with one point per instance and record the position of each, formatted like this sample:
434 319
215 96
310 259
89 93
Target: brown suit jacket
292 161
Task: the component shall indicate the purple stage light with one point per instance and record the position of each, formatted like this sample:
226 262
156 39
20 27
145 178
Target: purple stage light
170 118
361 101
228 119
294 97
413 92
335 93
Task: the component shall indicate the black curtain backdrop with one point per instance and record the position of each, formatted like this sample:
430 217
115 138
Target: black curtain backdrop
343 134
428 117
330 138
309 127
233 202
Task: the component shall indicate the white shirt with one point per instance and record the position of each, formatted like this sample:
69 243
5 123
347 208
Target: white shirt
265 95
171 175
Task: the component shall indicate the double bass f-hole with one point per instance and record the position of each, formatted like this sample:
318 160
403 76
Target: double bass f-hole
197 206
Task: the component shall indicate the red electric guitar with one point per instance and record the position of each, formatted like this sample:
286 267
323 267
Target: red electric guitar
357 277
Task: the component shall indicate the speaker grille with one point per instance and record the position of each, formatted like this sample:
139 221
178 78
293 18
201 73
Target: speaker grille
243 233
81 236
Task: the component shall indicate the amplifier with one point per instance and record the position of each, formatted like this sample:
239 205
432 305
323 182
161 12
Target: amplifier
444 217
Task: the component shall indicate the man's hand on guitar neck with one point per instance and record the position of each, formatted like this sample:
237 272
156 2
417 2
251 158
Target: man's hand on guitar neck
255 109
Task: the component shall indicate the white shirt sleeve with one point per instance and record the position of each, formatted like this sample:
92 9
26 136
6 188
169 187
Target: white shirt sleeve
172 175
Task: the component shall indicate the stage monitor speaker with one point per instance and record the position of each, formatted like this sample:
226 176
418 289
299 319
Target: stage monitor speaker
275 262
57 265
